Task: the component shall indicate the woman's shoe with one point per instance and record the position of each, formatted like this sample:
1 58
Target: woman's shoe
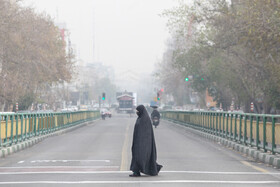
135 174
159 167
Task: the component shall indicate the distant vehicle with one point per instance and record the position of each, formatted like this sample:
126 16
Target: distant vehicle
74 108
70 109
198 110
105 113
126 102
236 111
83 108
167 107
215 109
177 108
66 110
108 114
6 113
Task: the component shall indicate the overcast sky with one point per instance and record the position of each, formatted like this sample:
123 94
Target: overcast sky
126 34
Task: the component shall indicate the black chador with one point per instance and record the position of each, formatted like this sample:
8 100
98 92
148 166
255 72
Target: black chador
144 154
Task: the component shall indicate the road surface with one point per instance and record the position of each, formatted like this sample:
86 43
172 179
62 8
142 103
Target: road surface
99 154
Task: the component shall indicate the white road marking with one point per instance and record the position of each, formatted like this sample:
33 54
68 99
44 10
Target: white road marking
116 172
139 182
53 167
223 172
20 162
124 150
54 161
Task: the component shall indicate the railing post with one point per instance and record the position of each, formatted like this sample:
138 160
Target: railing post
251 130
231 134
258 132
51 123
213 122
235 127
227 126
16 118
7 119
223 132
25 126
209 122
264 133
273 146
204 122
220 124
48 121
43 123
30 125
216 128
0 131
21 127
35 125
245 130
240 127
12 130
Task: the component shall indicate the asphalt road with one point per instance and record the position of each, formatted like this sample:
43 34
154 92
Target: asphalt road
98 154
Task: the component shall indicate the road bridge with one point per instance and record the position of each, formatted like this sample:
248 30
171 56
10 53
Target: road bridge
99 154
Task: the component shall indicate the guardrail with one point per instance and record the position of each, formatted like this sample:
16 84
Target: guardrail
255 130
19 127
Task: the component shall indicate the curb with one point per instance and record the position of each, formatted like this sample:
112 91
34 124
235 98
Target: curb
6 151
253 153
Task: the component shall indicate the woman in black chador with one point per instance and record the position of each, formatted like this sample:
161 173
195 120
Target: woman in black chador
144 154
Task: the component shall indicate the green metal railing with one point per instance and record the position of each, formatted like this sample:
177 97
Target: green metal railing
255 130
18 127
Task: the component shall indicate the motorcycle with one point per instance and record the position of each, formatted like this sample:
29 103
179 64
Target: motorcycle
155 121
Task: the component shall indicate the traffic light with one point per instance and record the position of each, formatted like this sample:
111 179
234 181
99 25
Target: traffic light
103 96
187 79
158 96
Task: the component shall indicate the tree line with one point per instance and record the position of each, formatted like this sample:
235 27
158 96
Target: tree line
33 56
230 48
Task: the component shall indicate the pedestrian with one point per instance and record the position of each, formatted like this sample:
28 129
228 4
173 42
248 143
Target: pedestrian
144 154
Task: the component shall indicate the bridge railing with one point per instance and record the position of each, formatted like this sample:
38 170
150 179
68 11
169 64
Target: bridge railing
19 127
256 130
